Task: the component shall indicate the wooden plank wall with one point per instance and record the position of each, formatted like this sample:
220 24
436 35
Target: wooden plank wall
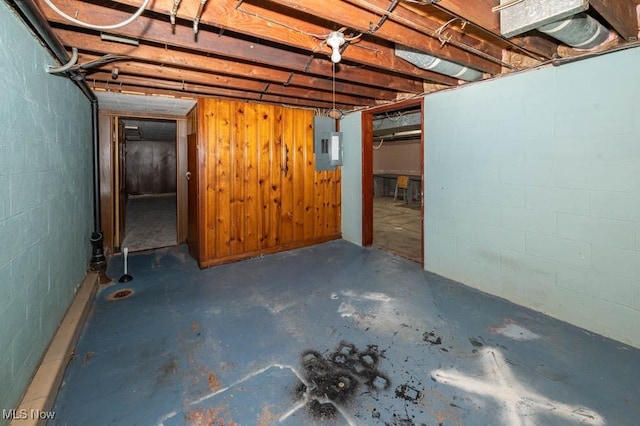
151 167
261 191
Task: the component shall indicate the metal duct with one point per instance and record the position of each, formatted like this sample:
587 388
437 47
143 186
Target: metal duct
441 66
580 31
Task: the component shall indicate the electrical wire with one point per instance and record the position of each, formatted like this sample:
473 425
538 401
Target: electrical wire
99 27
273 21
67 66
379 146
505 5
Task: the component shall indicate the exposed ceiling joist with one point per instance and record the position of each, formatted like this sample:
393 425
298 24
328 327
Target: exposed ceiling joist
362 20
276 51
621 14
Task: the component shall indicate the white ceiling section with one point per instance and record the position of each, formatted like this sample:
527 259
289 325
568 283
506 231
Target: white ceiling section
143 105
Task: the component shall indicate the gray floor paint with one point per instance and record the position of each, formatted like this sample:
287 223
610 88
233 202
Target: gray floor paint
150 222
332 335
397 227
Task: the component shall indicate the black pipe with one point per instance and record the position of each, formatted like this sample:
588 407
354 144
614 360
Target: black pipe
29 13
98 260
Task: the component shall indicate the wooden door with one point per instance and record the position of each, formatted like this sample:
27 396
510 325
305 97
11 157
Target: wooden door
192 190
119 200
122 188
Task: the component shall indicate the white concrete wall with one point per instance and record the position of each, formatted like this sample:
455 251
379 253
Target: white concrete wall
533 190
401 158
351 127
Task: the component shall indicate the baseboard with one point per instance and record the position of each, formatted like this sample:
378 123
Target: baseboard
43 389
271 250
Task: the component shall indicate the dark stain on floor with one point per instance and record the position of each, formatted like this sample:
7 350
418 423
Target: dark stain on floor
334 379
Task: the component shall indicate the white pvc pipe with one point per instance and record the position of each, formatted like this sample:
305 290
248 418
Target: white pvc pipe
125 251
99 27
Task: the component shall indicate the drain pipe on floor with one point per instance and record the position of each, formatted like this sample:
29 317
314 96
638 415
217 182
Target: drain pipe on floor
28 11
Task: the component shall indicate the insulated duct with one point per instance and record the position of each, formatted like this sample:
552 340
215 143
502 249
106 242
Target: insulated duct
441 66
580 31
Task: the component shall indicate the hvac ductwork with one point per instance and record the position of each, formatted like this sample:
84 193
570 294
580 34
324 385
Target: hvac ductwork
580 31
564 20
441 66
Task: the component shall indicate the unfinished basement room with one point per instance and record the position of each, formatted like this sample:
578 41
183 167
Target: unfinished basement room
336 212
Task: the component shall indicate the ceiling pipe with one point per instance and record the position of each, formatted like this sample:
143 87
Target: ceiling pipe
432 63
28 11
579 31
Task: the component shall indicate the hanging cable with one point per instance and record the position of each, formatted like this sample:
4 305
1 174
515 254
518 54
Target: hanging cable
67 66
379 146
196 21
174 12
99 27
505 5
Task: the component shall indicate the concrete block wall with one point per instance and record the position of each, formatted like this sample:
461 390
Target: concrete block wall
351 178
45 202
533 190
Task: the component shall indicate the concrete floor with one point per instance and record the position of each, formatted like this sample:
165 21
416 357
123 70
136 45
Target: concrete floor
397 227
332 335
150 222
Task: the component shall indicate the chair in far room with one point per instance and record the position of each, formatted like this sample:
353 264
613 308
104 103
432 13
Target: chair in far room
402 183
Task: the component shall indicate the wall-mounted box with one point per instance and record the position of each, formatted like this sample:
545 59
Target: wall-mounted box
327 143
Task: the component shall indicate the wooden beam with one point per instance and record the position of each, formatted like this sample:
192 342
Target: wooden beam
124 82
479 12
344 14
416 19
621 15
109 86
160 31
149 80
250 19
365 95
194 61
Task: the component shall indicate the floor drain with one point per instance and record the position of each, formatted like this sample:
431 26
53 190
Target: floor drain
120 294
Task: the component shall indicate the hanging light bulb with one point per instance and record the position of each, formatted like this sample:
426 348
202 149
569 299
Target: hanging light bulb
335 40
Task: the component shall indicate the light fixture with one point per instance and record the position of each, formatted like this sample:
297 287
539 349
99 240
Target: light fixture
119 39
335 40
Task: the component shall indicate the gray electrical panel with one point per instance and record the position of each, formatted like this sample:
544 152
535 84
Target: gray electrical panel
327 143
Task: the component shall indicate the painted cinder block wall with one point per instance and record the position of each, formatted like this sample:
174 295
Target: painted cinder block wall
351 128
45 202
533 190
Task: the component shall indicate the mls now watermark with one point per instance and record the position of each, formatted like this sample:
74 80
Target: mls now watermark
24 414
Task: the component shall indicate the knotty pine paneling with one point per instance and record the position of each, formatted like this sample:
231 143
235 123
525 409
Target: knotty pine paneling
261 192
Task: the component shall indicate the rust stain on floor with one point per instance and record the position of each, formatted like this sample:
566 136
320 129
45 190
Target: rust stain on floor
209 417
214 383
266 417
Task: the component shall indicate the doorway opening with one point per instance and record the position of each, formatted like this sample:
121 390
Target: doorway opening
392 169
147 183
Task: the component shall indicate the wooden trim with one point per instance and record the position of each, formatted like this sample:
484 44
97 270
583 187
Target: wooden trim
367 167
367 178
181 181
275 249
116 185
422 183
201 158
408 103
106 181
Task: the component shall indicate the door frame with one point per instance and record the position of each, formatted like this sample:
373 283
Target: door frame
367 167
109 168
